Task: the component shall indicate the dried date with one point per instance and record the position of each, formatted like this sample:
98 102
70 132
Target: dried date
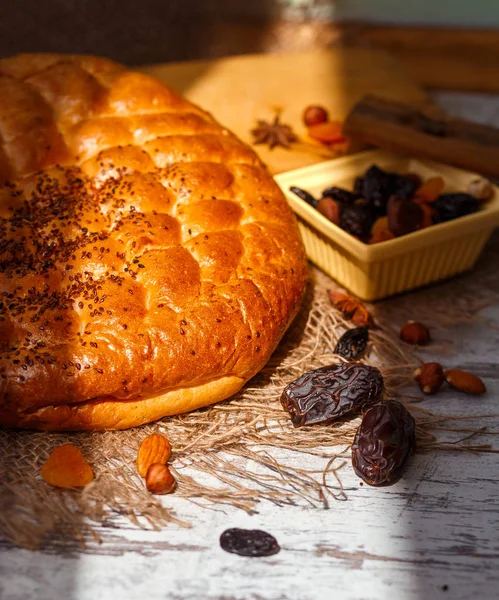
353 343
357 219
328 393
304 195
404 216
453 206
383 443
249 542
341 195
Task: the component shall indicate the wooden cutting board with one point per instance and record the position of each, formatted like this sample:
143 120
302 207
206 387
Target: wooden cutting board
239 90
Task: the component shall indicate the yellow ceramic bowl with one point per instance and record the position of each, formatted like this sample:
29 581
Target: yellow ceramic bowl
375 271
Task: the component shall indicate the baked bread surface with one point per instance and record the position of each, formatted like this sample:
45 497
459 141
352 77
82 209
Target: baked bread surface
149 264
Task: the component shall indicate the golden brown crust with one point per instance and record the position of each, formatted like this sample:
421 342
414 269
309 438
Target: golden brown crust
149 264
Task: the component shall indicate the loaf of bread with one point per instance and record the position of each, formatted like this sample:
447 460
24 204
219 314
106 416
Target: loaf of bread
149 264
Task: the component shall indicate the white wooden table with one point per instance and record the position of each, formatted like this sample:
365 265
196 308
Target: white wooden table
435 534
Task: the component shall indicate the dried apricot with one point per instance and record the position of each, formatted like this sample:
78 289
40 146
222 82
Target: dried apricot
328 133
381 224
431 189
428 214
383 235
66 467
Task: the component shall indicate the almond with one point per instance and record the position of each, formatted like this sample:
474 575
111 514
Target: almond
159 479
465 381
415 333
430 377
66 467
154 449
481 189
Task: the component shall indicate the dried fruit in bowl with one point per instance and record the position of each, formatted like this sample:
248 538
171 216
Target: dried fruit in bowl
430 190
331 209
404 216
453 206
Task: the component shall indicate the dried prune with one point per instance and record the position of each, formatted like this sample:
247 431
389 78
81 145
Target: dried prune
404 216
326 394
304 195
352 343
249 542
357 219
453 206
405 186
340 194
383 442
376 186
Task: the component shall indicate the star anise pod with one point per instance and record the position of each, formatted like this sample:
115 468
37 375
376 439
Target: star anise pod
274 133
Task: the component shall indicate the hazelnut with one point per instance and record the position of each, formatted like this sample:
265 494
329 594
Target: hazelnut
415 333
329 208
314 115
430 377
159 479
481 189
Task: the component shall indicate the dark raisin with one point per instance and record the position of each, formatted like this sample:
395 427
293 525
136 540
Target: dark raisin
453 206
358 186
404 216
405 186
353 343
340 194
326 394
304 195
376 186
383 442
357 219
249 542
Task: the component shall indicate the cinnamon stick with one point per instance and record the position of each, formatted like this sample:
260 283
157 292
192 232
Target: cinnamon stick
402 128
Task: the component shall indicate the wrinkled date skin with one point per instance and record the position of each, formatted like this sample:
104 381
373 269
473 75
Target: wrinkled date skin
383 443
352 343
326 394
249 542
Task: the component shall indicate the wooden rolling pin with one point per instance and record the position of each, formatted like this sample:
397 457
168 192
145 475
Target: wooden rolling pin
405 129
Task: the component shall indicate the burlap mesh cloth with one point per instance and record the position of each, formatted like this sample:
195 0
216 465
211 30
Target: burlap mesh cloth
251 429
